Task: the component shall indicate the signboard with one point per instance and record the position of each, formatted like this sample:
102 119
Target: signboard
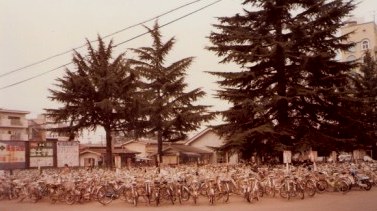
41 153
118 162
67 153
357 154
12 155
313 156
287 156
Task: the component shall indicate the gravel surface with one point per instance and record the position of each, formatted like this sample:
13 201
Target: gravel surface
353 201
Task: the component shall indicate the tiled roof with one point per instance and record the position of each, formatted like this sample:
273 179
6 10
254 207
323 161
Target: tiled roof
194 138
185 148
102 150
13 111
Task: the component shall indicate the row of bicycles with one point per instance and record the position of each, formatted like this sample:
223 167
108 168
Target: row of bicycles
186 184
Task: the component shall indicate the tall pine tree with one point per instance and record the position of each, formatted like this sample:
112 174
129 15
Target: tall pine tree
170 109
290 92
365 84
369 78
98 92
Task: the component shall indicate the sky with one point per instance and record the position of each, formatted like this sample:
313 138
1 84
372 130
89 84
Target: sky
34 30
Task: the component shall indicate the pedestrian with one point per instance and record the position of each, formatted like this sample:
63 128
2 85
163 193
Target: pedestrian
66 169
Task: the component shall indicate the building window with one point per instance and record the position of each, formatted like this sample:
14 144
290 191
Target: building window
15 120
365 44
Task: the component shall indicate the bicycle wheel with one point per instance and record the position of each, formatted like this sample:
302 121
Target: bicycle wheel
226 195
368 185
322 185
142 194
61 195
14 194
157 199
69 198
252 197
105 195
53 200
211 199
35 197
135 200
247 196
300 193
195 198
151 196
342 186
260 190
179 196
185 194
310 188
128 195
53 197
284 193
203 190
164 194
270 191
170 195
94 194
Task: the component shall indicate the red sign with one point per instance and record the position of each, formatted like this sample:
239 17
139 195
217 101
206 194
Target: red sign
12 154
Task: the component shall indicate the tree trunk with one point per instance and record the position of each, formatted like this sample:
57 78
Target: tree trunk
159 148
109 149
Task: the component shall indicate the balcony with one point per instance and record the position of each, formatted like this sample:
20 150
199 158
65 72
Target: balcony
15 123
14 137
59 138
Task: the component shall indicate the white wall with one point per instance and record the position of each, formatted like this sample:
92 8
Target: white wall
67 153
138 147
206 141
89 155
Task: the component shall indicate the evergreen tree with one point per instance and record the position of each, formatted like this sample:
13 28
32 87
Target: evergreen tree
170 109
365 84
96 93
369 76
291 91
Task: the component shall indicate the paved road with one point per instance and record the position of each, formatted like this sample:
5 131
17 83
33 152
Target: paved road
353 201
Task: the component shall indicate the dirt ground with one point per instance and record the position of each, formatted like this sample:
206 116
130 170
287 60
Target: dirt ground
353 201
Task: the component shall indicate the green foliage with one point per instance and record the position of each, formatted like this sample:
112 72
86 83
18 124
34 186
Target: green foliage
98 92
138 97
170 109
290 90
365 86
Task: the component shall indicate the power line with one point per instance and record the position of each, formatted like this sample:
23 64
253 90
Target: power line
109 35
188 14
36 76
121 43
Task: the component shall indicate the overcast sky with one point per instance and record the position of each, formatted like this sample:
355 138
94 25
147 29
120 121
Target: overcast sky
33 30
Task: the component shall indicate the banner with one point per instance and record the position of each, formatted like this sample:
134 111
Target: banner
287 156
41 153
68 153
12 155
118 162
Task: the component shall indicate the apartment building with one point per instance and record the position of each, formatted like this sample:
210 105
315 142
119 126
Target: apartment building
13 125
364 35
39 129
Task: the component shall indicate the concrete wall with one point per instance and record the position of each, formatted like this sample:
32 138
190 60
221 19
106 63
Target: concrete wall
362 31
211 139
13 126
